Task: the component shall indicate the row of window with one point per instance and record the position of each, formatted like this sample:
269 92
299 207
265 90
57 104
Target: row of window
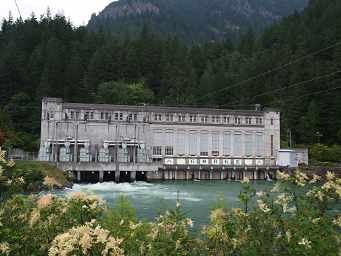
118 116
169 151
75 115
213 119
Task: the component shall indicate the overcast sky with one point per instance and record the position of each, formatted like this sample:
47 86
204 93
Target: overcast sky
79 11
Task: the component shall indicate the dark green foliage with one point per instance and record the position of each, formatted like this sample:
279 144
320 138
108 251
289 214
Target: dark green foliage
49 57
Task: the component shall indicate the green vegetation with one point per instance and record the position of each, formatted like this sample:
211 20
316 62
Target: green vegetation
29 176
326 154
45 170
39 55
293 218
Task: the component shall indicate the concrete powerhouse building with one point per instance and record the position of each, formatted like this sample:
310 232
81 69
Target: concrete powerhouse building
125 143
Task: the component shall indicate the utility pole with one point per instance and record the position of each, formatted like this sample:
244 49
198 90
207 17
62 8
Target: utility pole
75 154
290 138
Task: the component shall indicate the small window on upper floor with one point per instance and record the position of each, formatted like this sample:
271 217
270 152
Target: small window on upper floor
155 117
272 121
226 119
215 153
160 117
135 117
193 118
183 118
217 119
102 115
213 119
72 115
237 120
91 115
130 117
121 116
116 116
86 115
203 153
169 151
167 117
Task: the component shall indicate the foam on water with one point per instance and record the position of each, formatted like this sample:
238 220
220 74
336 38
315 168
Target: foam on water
138 189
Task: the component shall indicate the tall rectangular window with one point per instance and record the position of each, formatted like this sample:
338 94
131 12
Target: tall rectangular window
248 144
157 151
169 151
180 143
204 144
215 144
227 144
193 143
259 144
237 145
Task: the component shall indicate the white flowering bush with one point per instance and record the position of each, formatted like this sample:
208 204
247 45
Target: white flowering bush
297 216
31 223
294 218
88 239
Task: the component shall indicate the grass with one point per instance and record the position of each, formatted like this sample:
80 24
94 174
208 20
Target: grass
45 169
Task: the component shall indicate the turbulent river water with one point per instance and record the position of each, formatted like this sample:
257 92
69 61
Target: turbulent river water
149 199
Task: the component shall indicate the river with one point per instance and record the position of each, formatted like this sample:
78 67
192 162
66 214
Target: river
149 199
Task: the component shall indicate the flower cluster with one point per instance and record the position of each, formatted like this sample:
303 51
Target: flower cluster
4 248
51 182
86 240
283 200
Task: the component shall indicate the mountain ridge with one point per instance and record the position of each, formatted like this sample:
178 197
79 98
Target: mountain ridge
192 20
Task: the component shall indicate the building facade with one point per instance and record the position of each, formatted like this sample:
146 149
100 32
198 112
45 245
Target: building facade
110 142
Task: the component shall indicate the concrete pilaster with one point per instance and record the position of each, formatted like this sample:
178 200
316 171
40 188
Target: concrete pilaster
133 176
78 176
101 176
117 176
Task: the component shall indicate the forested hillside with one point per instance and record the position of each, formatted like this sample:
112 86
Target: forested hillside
49 57
192 21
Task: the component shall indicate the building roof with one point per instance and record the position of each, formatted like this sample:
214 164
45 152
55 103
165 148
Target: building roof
158 109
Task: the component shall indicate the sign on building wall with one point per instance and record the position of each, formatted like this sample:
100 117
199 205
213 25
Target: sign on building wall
181 161
169 161
227 162
204 161
193 161
215 161
248 162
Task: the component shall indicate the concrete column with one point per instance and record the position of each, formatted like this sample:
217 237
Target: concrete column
187 175
117 176
221 175
211 175
132 176
78 176
255 175
175 174
199 175
101 176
